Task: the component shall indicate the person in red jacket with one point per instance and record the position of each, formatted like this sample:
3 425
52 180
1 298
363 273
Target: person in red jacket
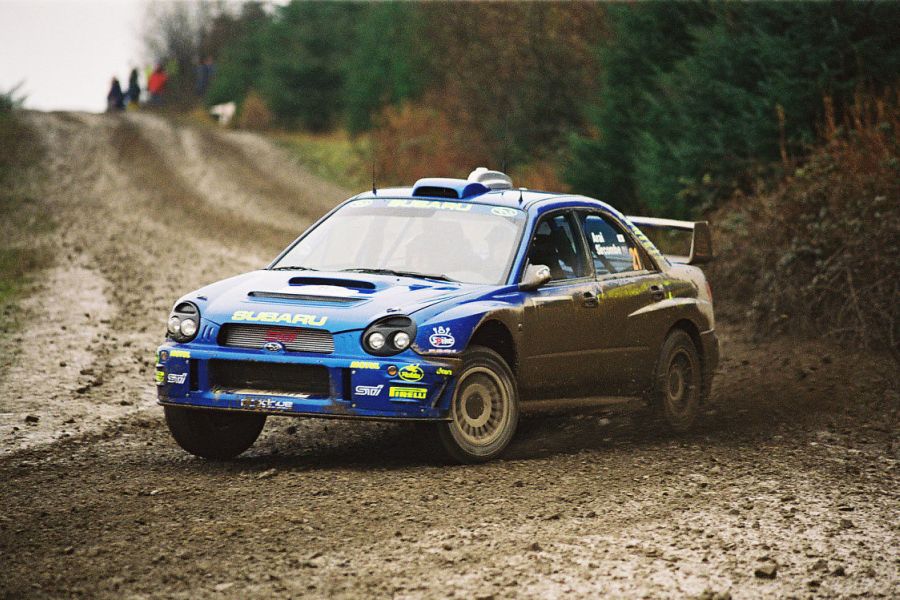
156 84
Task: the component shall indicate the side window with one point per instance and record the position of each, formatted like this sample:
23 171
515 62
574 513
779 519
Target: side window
612 250
556 245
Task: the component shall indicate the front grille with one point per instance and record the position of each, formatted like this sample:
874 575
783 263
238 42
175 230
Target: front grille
294 339
269 377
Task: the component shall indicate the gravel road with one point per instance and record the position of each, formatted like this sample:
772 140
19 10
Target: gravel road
789 488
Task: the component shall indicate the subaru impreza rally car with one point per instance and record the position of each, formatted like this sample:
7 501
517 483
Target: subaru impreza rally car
455 302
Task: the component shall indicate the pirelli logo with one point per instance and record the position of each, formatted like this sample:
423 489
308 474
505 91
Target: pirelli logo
408 393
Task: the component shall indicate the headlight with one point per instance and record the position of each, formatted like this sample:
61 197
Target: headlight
174 323
388 336
184 322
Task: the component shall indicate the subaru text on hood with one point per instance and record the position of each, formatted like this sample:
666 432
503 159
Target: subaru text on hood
455 302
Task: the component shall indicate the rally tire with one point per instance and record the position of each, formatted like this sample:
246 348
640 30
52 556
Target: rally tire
213 434
484 410
678 385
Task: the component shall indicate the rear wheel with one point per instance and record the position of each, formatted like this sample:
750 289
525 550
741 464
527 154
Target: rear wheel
213 434
484 411
678 382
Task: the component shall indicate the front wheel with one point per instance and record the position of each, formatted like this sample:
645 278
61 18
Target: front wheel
213 434
484 411
678 382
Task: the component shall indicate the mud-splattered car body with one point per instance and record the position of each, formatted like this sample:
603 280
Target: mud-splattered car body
293 342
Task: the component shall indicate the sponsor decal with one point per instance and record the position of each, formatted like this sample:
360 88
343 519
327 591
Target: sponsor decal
274 317
443 371
265 404
460 206
502 211
411 373
365 364
408 393
160 377
178 378
608 250
442 337
180 354
368 390
597 238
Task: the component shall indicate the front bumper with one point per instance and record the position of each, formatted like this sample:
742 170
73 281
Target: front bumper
356 387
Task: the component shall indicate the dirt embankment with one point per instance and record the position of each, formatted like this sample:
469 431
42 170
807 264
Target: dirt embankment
789 488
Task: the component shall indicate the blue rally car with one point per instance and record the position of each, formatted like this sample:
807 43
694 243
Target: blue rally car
455 302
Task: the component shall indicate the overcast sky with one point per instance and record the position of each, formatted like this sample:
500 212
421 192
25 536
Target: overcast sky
66 51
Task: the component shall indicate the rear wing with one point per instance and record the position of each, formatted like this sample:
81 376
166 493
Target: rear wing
664 233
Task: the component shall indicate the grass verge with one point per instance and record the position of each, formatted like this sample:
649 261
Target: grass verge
23 218
336 157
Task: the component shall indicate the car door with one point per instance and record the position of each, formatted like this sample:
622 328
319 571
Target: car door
559 317
630 288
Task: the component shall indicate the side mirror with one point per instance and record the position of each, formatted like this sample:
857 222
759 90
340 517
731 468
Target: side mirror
535 276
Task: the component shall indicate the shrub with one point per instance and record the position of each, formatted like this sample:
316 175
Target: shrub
819 253
255 114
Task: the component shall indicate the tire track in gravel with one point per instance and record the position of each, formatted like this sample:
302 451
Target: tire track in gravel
136 226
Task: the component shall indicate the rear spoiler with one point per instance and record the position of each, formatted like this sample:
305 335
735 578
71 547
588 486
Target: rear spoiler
701 241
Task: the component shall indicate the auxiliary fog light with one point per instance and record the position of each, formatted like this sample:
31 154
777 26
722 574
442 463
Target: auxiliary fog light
401 340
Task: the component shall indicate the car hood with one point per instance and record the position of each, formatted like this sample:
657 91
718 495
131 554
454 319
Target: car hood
334 301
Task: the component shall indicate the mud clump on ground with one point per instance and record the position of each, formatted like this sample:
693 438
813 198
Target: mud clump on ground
788 488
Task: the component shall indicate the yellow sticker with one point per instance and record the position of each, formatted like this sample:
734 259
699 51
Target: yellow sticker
364 364
411 393
180 354
411 373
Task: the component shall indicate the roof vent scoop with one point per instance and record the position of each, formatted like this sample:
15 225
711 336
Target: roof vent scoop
494 180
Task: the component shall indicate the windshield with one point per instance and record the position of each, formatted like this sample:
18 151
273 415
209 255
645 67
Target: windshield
471 243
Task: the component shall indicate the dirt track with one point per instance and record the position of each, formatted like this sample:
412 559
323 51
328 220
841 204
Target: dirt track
789 488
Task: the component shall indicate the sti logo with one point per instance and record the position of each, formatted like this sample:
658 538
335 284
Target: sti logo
368 390
441 338
176 378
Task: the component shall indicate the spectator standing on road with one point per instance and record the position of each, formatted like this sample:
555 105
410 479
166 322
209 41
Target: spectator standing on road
205 71
156 84
115 99
134 89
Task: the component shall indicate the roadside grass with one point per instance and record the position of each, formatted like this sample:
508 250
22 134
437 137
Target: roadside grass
23 219
336 157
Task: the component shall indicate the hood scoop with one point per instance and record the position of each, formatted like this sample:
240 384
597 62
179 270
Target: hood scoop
353 284
314 298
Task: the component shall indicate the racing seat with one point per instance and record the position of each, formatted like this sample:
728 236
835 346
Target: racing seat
543 252
566 254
